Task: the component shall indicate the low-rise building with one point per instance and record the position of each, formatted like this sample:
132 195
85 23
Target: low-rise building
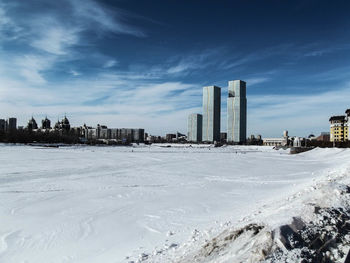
102 132
275 141
170 137
284 141
324 137
223 136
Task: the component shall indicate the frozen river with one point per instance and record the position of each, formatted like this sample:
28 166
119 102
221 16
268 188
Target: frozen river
103 204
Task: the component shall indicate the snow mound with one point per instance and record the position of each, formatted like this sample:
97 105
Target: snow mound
318 228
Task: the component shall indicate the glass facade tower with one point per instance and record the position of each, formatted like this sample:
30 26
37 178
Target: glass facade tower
194 127
211 113
236 111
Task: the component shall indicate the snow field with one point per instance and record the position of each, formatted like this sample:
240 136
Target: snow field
118 204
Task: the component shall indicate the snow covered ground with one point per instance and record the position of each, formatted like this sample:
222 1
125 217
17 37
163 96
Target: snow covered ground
157 204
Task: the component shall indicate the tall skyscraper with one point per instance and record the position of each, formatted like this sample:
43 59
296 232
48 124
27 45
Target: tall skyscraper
194 125
236 111
211 114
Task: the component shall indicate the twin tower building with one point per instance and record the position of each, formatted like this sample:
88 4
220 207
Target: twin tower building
206 127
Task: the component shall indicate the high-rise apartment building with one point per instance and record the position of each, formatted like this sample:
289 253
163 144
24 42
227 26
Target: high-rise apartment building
236 111
194 124
339 127
211 114
347 129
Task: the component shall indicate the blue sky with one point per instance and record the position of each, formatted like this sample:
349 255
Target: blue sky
143 63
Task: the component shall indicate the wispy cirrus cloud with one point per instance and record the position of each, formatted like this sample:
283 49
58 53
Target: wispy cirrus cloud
256 80
54 38
44 39
271 114
58 30
89 12
110 63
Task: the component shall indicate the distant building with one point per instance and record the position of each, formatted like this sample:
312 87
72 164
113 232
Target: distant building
338 128
32 125
223 136
63 125
275 142
89 133
324 137
2 125
115 134
46 124
169 137
211 113
347 112
127 135
236 112
194 127
11 124
252 140
284 141
180 135
102 132
139 135
153 139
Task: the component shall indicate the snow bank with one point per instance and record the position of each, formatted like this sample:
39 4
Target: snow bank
311 225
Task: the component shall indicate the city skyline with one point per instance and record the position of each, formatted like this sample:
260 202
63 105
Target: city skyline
123 64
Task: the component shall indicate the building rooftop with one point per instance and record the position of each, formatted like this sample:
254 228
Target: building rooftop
337 118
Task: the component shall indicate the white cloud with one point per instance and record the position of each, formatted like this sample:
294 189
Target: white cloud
110 63
55 39
74 73
190 63
256 80
300 114
30 67
90 12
